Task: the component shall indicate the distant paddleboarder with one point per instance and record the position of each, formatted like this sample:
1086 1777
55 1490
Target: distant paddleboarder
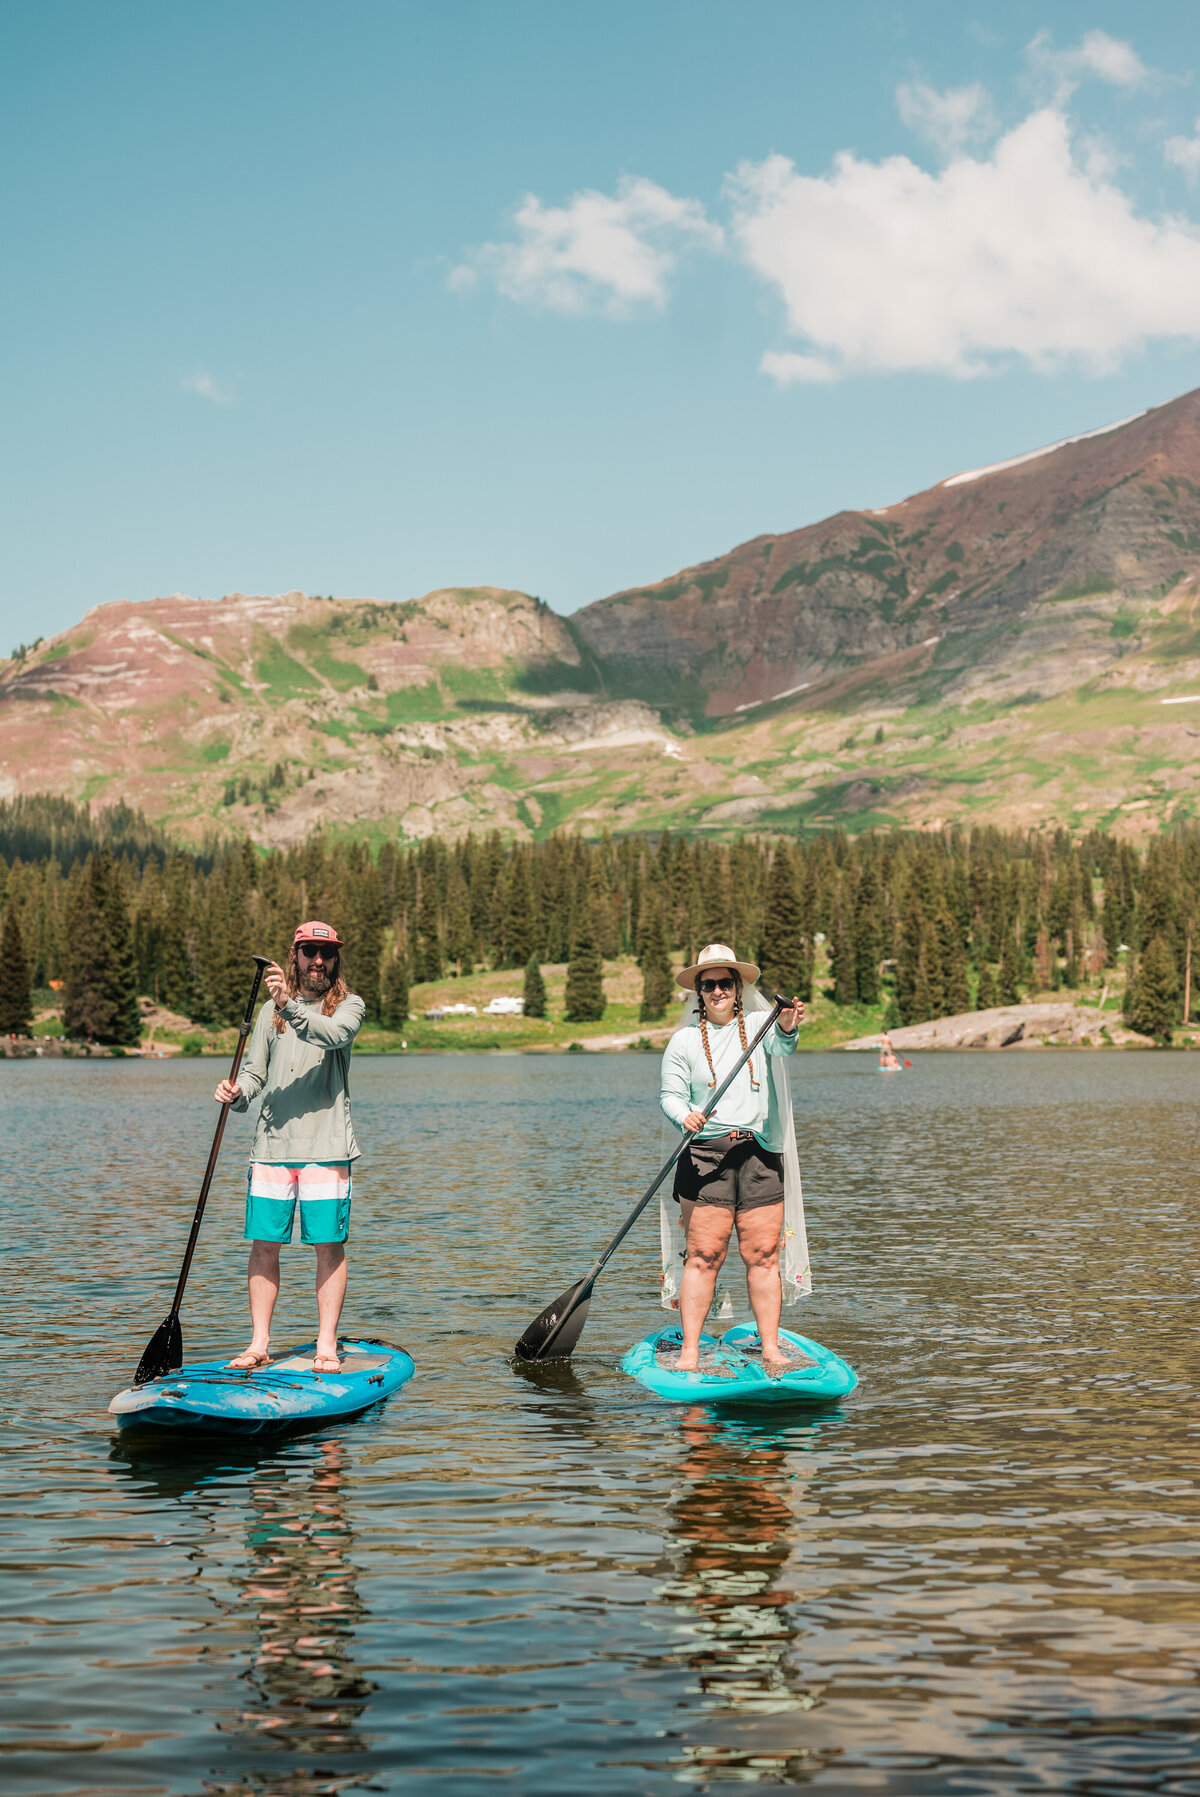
888 1060
740 1168
304 1146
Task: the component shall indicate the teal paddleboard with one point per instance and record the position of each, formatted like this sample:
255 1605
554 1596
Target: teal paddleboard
212 1398
732 1370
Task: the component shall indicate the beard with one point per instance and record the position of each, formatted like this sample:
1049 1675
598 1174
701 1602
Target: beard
315 981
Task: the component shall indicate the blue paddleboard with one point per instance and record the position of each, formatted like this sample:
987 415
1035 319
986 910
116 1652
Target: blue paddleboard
211 1398
732 1371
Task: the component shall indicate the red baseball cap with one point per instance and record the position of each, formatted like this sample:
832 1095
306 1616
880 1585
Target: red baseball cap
317 932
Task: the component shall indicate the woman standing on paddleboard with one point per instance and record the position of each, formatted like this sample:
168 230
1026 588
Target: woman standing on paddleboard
740 1169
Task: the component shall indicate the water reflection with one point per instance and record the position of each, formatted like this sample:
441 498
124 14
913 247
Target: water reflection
734 1549
298 1599
288 1608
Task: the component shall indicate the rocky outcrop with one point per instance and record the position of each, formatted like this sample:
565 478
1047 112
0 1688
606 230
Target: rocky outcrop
1014 1026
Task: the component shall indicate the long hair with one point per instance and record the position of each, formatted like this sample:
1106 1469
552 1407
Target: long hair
338 989
739 1011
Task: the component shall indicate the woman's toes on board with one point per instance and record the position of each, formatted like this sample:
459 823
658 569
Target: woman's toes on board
326 1363
247 1361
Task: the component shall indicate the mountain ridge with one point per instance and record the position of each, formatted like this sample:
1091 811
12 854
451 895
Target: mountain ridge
998 646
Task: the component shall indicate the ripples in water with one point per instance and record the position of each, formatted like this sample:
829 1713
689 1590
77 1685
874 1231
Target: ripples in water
980 1573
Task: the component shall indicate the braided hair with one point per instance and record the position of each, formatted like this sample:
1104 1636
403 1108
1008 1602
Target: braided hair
739 1010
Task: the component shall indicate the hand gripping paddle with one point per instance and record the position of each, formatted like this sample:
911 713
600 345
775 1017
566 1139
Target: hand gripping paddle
553 1334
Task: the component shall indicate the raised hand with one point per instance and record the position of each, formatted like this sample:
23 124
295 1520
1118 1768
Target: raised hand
276 981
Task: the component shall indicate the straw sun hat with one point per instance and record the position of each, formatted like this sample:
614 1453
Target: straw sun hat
717 954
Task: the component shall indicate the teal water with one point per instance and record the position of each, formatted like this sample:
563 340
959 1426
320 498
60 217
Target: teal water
980 1574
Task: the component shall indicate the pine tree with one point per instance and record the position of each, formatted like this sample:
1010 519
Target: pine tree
429 946
987 995
585 977
535 989
394 990
16 1008
845 967
1156 991
1008 978
365 948
178 982
518 912
460 934
786 950
126 1029
101 982
956 995
656 968
868 936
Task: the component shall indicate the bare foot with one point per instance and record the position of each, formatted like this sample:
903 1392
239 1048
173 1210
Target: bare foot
253 1357
688 1363
775 1360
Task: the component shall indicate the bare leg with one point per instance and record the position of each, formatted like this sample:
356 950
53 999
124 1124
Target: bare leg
331 1295
263 1280
758 1240
709 1227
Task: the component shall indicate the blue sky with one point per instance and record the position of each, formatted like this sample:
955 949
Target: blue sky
374 298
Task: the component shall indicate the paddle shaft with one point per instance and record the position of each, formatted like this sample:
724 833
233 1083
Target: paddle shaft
244 1028
689 1137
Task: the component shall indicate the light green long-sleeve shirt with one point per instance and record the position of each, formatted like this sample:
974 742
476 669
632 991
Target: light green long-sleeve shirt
686 1087
304 1077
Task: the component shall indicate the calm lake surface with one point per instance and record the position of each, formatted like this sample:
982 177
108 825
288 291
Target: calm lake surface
981 1573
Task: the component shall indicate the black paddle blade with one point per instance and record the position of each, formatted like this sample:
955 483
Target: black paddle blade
552 1335
164 1352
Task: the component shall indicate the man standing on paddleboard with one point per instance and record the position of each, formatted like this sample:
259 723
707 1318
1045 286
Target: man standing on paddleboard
299 1059
736 1167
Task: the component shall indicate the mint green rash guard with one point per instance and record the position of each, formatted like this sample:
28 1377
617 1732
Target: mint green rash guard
686 1080
304 1078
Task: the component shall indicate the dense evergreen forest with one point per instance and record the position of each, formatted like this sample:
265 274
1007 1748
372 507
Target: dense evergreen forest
935 922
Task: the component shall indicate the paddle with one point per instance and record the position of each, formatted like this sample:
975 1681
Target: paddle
164 1350
553 1334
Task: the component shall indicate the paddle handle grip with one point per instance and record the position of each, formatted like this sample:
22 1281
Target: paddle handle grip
778 1004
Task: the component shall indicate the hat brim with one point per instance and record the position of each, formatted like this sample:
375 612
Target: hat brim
686 977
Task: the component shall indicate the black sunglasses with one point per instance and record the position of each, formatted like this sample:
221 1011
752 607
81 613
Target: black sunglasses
717 985
313 951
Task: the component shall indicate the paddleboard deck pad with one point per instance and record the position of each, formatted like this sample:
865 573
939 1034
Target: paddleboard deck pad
212 1398
732 1369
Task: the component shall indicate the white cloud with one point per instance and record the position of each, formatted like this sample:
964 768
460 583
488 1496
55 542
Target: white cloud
1184 153
948 120
883 266
787 369
1108 58
617 251
207 388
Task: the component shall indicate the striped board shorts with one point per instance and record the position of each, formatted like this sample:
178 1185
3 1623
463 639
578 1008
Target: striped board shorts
322 1189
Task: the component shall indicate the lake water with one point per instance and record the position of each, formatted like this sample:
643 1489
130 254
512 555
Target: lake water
981 1573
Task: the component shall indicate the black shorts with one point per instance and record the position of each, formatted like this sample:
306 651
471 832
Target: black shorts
737 1175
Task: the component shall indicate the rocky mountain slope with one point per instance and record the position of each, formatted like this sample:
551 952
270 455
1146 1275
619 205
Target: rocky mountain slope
991 572
1018 644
